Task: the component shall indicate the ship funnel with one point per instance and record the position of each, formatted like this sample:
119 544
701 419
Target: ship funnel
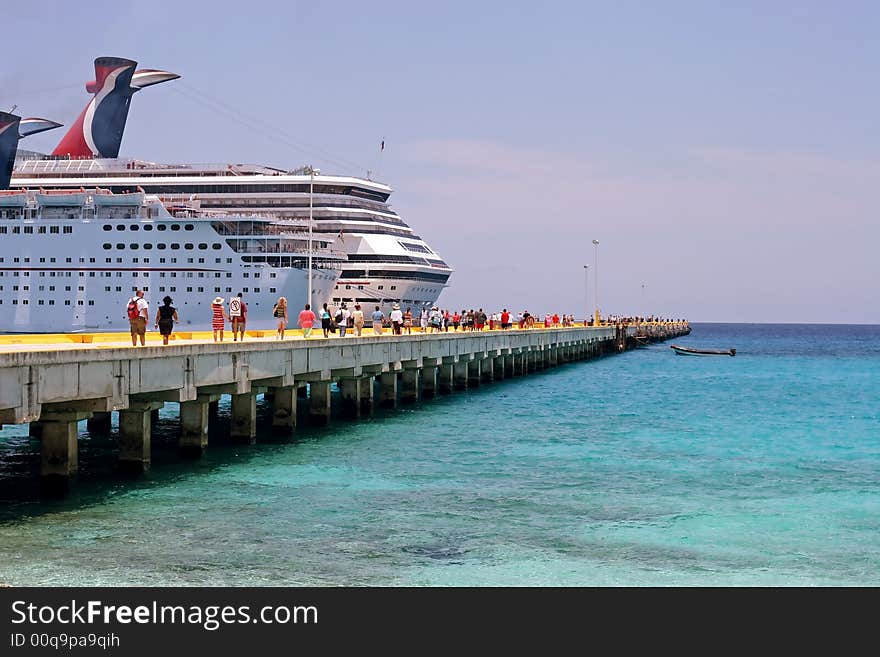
98 130
13 128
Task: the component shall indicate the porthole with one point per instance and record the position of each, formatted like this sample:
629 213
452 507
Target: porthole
148 226
133 247
188 227
175 226
203 246
160 246
216 247
175 246
134 227
188 246
120 227
161 227
108 246
120 246
106 227
148 246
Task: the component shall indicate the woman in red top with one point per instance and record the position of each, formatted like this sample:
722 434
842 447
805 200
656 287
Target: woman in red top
218 317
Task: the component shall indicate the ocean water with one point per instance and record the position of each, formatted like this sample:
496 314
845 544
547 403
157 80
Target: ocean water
644 468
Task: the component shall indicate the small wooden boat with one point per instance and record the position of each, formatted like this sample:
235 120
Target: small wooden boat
687 351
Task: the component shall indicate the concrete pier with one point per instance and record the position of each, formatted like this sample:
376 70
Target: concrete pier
319 402
135 427
53 389
194 427
388 390
243 428
284 408
350 396
409 385
59 448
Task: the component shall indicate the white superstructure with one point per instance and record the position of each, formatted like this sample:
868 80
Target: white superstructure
70 260
386 261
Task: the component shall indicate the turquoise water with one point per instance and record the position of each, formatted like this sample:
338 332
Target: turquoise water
640 469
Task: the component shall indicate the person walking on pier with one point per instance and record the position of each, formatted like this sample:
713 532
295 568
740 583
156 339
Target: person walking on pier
407 321
279 312
218 317
357 316
165 318
238 316
138 311
306 320
377 317
343 319
396 319
325 321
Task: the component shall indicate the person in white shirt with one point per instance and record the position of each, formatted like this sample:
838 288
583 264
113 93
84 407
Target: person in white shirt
396 318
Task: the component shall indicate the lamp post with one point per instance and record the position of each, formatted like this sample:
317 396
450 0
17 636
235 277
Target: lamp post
312 173
596 279
586 291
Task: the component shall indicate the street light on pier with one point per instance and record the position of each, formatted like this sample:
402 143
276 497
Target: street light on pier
312 173
596 279
586 292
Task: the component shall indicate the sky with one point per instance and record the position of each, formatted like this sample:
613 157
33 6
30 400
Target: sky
725 155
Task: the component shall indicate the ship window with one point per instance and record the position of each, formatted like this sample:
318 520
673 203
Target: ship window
393 287
188 246
381 287
120 227
51 302
133 246
28 229
120 246
42 230
106 227
148 226
16 229
134 227
189 289
256 289
175 246
67 302
148 246
67 230
203 246
3 229
188 227
272 290
229 289
161 227
216 246
108 246
80 302
244 290
175 226
172 289
161 246
91 302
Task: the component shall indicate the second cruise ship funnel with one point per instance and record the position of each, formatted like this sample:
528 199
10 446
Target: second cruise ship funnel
98 130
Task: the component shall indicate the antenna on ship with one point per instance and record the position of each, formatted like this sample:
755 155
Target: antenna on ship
378 159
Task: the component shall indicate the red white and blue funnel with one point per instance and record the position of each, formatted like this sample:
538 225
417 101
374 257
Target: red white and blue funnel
98 130
13 128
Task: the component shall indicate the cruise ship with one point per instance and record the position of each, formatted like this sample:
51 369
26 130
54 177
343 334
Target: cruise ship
386 263
72 256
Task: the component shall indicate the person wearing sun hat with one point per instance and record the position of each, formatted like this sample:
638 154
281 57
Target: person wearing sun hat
218 317
396 319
